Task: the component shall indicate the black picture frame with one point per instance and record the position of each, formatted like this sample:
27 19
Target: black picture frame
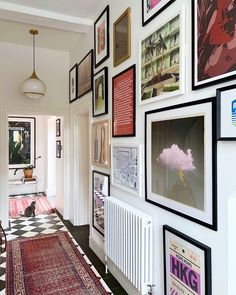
100 200
132 126
105 13
73 79
58 127
177 254
58 149
204 212
226 113
102 73
81 78
145 21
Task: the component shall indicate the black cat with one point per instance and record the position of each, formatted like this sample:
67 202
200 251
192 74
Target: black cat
30 210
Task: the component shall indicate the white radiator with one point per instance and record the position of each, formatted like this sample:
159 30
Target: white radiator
128 242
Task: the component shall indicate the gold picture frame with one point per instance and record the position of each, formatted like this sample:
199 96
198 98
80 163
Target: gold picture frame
122 38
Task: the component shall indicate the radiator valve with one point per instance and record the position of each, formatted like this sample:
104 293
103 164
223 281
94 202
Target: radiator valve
150 287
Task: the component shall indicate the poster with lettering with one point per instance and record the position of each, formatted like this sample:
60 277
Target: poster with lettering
187 264
123 103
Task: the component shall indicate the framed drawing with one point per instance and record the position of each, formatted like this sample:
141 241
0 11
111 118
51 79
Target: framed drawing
123 103
101 144
101 190
180 160
85 75
187 264
58 127
73 84
101 37
122 38
226 113
151 8
214 47
162 57
21 132
100 92
58 149
126 168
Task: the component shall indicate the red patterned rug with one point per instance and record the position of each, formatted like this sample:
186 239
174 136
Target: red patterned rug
49 264
17 205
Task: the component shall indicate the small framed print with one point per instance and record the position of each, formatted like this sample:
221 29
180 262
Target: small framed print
100 92
226 113
85 75
101 37
58 127
187 264
151 8
122 38
73 83
101 190
58 149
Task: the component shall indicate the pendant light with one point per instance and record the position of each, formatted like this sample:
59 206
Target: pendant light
33 87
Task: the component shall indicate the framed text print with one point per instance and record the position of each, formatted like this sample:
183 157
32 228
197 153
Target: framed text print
101 37
100 92
187 264
73 83
85 75
58 148
214 46
58 127
180 160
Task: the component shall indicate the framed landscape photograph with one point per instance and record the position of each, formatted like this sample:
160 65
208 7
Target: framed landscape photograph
123 103
125 163
58 149
100 92
21 131
85 75
151 8
101 37
122 38
180 160
101 144
73 83
214 46
226 113
58 127
187 264
101 190
162 57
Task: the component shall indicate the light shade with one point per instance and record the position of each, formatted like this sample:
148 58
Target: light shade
33 87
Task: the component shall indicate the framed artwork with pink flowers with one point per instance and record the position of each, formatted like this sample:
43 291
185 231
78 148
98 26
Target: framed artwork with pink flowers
180 160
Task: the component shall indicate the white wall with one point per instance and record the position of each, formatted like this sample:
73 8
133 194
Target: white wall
218 241
60 172
51 163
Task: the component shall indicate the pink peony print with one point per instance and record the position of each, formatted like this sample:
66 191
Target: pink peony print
153 3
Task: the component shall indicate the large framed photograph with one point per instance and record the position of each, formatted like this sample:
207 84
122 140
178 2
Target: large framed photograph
58 149
126 167
101 153
73 84
58 127
180 160
85 75
21 131
122 38
100 92
101 190
214 46
151 8
187 264
101 37
123 103
162 57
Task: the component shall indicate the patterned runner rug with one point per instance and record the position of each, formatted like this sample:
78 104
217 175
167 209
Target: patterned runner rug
49 264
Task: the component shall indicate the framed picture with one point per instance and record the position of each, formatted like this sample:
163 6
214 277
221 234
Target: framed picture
180 160
58 127
122 38
100 92
58 149
73 84
123 103
101 37
187 264
151 8
162 57
101 190
214 47
85 75
226 113
126 167
21 131
101 144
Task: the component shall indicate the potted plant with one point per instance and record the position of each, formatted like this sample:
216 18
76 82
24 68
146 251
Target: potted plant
28 171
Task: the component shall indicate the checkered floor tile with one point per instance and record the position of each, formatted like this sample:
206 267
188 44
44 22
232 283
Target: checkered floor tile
29 227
